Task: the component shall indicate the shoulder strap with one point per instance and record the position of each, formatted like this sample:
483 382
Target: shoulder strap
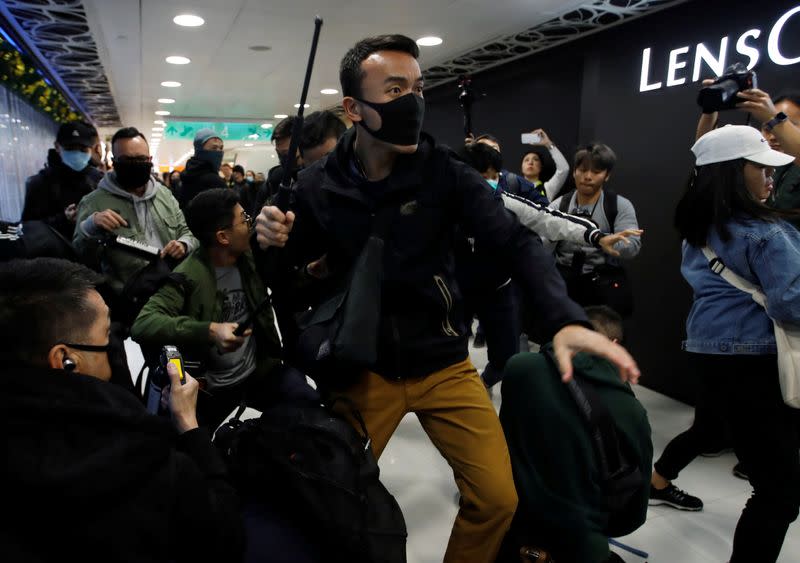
565 199
610 207
513 183
718 267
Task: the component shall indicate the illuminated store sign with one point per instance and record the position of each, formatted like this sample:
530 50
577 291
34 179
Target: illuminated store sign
717 60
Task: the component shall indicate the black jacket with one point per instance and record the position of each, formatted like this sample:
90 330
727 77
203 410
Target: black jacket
198 176
53 189
88 474
432 193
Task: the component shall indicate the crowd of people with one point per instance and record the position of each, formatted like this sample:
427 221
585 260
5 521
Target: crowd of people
369 283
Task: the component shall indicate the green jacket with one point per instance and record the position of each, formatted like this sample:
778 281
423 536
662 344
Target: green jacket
119 265
561 505
787 189
180 314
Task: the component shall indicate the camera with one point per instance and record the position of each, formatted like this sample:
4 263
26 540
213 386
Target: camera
721 95
159 378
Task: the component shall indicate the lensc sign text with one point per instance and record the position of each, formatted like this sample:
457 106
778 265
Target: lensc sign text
680 58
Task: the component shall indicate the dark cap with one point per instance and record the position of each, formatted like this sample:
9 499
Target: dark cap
76 133
239 168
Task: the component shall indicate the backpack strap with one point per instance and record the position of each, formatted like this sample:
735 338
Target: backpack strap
513 183
563 207
610 207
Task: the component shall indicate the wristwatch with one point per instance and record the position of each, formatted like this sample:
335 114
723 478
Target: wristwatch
779 118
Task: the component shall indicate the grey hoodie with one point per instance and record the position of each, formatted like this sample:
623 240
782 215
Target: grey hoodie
144 213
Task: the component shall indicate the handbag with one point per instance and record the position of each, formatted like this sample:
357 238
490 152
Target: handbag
787 335
340 336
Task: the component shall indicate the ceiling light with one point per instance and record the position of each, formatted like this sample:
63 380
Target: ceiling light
188 20
248 144
305 106
155 135
280 115
158 129
162 112
171 84
272 155
266 125
430 41
329 91
166 101
177 60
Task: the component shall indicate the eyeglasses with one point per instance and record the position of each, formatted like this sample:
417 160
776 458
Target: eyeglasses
88 347
247 219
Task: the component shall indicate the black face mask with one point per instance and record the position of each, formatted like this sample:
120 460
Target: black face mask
401 119
212 157
132 174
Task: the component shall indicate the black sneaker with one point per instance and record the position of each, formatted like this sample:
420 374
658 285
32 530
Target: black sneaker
740 471
479 341
674 497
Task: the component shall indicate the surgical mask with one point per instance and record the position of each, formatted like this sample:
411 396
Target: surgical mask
77 160
132 174
401 119
492 183
212 157
249 179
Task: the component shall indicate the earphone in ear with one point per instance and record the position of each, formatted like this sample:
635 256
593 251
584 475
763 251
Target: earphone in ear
68 364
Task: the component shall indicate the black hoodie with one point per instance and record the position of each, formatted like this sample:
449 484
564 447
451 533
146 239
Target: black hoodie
198 176
432 193
53 189
90 475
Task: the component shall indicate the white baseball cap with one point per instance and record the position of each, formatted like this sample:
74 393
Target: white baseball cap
733 142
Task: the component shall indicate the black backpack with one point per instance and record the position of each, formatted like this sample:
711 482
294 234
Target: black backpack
610 205
313 466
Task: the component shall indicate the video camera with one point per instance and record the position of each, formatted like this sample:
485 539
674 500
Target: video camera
465 99
721 95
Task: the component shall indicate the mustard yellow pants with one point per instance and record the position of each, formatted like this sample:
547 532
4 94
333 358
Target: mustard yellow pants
454 409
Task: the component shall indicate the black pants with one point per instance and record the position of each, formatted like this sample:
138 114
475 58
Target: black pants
746 392
499 320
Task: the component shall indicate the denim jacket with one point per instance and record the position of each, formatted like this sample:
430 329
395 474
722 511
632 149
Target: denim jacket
726 320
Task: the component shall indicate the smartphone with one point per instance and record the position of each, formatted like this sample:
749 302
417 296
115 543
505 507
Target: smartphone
531 138
171 355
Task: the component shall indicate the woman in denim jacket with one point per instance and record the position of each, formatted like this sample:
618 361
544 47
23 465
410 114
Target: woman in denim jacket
730 337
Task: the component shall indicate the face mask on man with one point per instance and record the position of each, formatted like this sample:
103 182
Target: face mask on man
132 174
76 160
492 183
401 119
212 157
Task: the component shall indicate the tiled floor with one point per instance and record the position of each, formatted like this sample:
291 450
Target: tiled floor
422 482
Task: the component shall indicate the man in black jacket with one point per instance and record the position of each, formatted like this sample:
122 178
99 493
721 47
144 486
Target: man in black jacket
53 194
423 365
202 170
88 473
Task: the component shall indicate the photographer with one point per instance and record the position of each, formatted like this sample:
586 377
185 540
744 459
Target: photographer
780 125
544 166
88 473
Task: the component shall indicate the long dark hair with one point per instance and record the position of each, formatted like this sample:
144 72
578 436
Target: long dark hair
715 194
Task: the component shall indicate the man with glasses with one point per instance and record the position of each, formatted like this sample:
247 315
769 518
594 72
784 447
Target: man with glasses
130 203
83 461
222 289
